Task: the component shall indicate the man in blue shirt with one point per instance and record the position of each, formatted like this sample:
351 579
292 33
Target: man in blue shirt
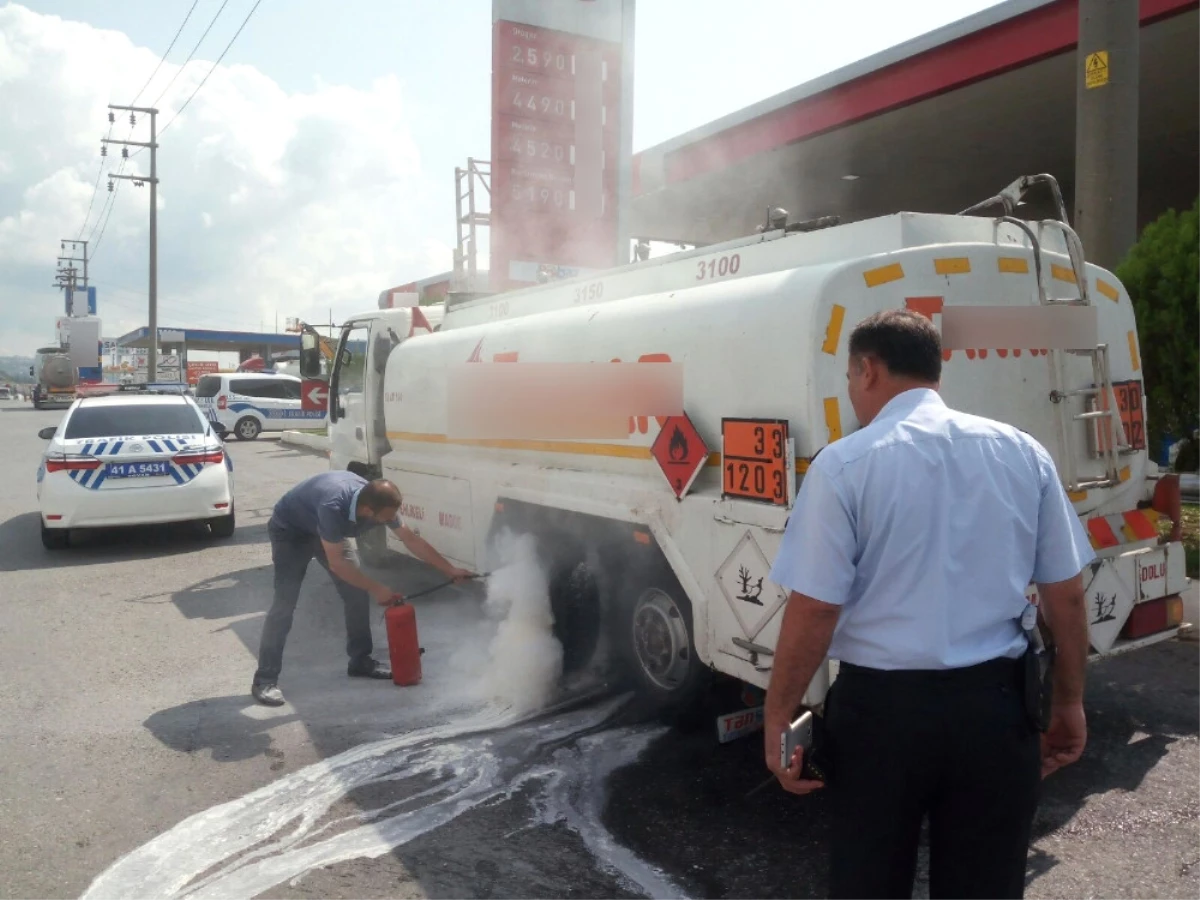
907 555
313 521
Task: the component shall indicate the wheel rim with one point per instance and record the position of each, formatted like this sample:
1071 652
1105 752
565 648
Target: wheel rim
249 429
660 639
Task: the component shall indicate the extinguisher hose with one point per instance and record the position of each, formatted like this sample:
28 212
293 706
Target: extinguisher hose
436 587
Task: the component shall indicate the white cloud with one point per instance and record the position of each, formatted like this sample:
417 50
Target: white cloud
269 202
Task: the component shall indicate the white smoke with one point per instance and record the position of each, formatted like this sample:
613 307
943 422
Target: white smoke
525 659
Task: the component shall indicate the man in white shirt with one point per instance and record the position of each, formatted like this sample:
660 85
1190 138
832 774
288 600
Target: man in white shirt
907 556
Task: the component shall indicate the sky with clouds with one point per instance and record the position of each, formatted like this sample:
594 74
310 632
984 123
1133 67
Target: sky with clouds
315 166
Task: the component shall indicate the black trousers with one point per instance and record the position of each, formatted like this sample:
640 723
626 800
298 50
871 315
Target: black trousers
291 554
956 747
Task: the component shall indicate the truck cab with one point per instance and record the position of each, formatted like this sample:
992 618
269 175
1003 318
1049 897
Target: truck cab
357 433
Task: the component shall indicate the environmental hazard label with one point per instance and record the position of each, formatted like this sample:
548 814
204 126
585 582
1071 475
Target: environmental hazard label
1095 69
744 578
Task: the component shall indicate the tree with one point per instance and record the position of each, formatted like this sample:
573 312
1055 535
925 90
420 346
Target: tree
1162 273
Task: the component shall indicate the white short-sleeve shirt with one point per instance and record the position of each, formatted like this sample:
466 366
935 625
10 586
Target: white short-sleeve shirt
926 527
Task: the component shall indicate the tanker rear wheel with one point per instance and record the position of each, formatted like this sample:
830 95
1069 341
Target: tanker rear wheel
656 642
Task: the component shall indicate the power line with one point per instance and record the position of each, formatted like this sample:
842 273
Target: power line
179 71
100 168
190 55
112 197
163 58
214 66
95 190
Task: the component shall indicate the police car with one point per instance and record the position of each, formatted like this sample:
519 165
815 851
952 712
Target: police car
133 458
246 404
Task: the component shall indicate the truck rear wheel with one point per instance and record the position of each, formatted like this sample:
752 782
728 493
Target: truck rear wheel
657 641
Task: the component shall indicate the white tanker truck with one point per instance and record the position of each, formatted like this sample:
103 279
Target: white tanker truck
667 577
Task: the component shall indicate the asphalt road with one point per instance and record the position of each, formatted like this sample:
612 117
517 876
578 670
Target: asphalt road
133 763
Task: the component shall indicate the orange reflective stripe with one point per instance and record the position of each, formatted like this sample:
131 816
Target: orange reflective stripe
1141 526
1102 533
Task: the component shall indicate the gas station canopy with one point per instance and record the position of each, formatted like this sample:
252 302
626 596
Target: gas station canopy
221 341
933 125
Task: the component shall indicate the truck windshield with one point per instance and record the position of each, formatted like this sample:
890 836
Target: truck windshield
110 420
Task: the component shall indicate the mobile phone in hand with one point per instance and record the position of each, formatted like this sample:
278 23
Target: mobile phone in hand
798 734
807 731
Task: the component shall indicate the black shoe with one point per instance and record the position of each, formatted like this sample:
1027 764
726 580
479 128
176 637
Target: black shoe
267 694
370 668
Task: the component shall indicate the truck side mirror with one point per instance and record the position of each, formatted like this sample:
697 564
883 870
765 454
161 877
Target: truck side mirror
48 432
310 356
31 371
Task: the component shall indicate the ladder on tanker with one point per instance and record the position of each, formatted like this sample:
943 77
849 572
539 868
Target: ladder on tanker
1100 407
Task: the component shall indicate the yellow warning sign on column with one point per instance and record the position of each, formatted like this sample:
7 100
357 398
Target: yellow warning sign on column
1095 69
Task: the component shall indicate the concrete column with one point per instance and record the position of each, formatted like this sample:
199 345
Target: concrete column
1106 129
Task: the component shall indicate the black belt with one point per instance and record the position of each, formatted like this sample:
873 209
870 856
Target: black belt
1001 669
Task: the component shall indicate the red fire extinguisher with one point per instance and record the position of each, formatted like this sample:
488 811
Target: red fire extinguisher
403 646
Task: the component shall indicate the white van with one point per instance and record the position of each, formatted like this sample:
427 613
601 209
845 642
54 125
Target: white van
245 404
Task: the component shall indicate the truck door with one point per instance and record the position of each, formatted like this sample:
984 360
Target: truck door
384 339
349 405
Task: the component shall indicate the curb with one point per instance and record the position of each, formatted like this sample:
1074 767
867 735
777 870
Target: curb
316 442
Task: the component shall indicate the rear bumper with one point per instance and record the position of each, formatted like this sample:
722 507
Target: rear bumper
208 495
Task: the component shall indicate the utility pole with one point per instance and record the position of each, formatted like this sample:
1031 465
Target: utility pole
1106 129
138 181
66 277
625 147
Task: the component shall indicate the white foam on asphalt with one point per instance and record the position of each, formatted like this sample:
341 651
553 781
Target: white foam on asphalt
491 750
287 828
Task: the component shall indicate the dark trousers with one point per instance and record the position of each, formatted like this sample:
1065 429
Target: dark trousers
955 747
290 555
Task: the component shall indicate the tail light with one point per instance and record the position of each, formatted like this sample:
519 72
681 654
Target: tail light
72 463
199 457
222 402
1154 616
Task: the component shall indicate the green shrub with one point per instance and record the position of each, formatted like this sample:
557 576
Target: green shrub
1162 275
